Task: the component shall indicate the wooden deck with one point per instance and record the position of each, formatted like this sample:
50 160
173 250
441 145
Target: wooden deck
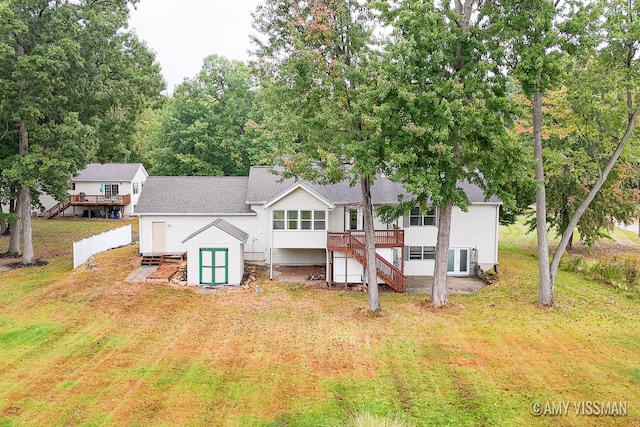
339 241
164 258
89 201
99 200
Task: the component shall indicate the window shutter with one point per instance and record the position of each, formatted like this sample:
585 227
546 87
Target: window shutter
405 221
406 253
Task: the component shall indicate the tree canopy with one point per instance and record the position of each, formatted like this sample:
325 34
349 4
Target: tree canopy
446 110
72 84
207 126
318 87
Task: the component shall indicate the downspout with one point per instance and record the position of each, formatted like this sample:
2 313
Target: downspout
328 271
271 246
140 233
495 256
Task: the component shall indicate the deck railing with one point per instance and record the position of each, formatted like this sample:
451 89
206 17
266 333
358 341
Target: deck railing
101 199
384 238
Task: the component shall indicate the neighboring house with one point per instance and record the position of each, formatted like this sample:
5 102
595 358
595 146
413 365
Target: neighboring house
44 199
103 190
300 223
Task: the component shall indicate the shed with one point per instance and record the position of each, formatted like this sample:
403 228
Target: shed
215 254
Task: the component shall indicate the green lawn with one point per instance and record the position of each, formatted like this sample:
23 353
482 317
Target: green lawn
84 348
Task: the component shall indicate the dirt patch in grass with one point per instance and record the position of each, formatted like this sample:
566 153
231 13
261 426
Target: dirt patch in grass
10 262
308 274
449 308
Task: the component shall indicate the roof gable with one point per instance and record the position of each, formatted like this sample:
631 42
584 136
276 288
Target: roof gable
304 187
222 225
98 172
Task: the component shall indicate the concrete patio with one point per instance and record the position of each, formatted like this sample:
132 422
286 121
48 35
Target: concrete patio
455 285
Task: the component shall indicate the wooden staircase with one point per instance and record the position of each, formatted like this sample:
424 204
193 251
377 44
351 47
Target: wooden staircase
353 243
55 211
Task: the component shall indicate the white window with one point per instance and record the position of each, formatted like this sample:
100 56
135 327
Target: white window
419 252
292 220
319 218
306 220
135 188
415 252
418 218
299 220
111 190
428 252
278 220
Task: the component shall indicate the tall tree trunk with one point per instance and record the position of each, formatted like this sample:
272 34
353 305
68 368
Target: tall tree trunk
15 228
545 280
370 245
3 224
439 289
28 257
24 201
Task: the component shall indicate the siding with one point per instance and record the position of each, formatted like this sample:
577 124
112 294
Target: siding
336 219
299 199
140 177
476 228
179 227
300 256
305 239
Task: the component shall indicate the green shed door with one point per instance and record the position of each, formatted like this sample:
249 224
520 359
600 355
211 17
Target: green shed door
214 266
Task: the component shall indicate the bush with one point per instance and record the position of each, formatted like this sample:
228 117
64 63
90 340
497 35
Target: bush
620 273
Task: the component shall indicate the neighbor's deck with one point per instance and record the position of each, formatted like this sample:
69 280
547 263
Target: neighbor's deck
99 200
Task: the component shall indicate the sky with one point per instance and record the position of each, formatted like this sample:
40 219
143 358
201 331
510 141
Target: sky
182 33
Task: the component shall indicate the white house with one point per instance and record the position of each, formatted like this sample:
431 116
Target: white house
103 189
301 223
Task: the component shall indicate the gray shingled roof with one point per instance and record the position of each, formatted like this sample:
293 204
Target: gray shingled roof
223 225
194 195
265 185
97 172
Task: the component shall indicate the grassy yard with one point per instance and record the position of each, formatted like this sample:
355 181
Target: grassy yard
81 347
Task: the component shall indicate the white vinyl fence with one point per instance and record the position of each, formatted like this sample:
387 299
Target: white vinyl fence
86 248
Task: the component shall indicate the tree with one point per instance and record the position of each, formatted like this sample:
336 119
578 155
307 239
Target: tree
445 111
71 82
206 127
572 164
607 50
318 88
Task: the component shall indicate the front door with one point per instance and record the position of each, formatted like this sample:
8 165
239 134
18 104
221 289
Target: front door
158 237
458 262
214 266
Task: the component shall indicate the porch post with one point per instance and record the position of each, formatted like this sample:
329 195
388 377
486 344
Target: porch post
346 271
329 267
